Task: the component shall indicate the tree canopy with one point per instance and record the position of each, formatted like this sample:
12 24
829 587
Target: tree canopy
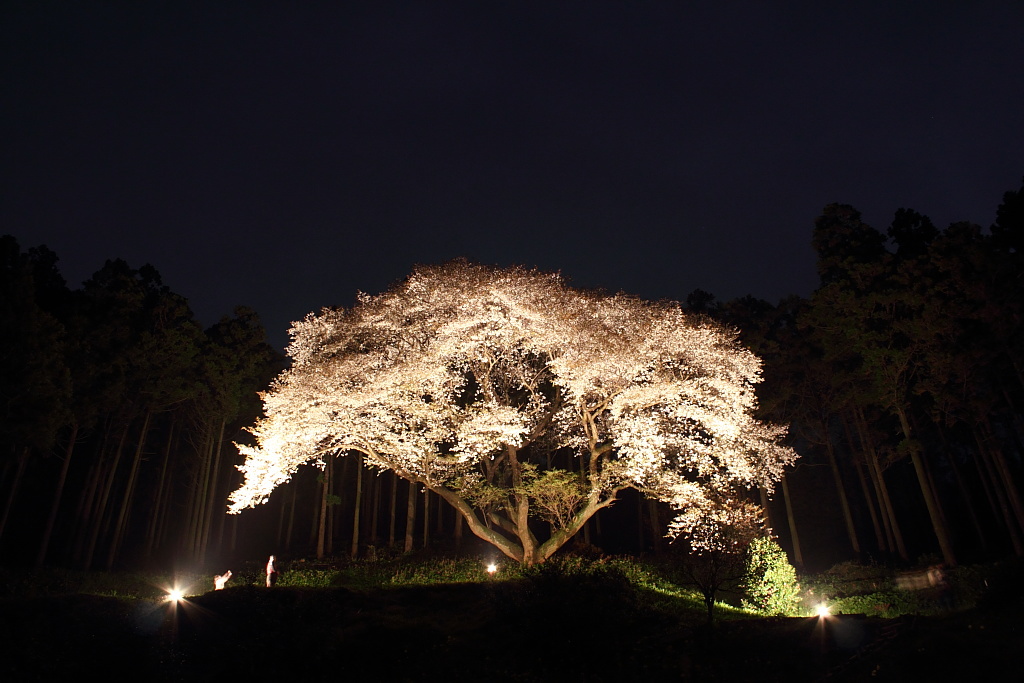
520 401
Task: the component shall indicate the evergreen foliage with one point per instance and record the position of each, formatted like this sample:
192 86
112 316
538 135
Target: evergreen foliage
770 585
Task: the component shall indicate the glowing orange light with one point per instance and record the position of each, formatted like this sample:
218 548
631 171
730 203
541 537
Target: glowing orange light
491 568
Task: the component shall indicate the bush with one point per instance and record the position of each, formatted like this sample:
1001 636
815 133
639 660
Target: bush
770 585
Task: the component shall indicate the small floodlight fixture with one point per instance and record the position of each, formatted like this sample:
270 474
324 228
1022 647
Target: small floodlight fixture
491 568
823 611
175 595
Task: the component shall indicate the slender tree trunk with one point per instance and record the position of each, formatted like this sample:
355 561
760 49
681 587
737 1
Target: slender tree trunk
858 467
930 499
281 517
965 495
892 526
851 530
322 527
1009 519
333 510
14 488
410 517
84 507
162 492
768 519
102 505
211 500
197 511
880 538
657 531
890 512
160 534
51 520
983 467
291 517
798 556
233 521
375 511
314 525
129 491
1005 476
393 509
426 518
354 551
439 517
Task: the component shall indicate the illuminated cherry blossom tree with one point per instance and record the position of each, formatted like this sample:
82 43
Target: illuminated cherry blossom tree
520 401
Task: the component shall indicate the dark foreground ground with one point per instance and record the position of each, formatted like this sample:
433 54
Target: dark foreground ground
486 632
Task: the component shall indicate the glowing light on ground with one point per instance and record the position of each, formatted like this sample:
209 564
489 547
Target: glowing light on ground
491 568
175 595
823 611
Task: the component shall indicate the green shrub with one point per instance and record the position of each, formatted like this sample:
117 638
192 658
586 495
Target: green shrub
770 585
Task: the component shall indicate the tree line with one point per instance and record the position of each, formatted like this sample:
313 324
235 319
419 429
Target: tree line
900 378
118 412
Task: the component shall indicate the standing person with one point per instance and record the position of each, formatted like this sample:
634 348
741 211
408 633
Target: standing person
271 573
220 580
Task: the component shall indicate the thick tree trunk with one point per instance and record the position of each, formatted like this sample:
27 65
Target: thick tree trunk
508 537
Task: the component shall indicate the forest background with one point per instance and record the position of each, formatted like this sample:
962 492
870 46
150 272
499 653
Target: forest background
900 377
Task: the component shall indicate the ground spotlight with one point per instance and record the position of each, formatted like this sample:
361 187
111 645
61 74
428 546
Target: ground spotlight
823 611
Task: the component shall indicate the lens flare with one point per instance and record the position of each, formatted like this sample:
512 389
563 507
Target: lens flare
175 595
823 611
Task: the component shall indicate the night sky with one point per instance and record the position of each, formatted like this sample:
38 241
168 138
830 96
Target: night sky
287 155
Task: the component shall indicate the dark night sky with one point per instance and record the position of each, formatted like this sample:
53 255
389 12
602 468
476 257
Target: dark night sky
286 155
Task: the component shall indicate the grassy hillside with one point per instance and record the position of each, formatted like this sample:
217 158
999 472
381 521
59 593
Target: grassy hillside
449 620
